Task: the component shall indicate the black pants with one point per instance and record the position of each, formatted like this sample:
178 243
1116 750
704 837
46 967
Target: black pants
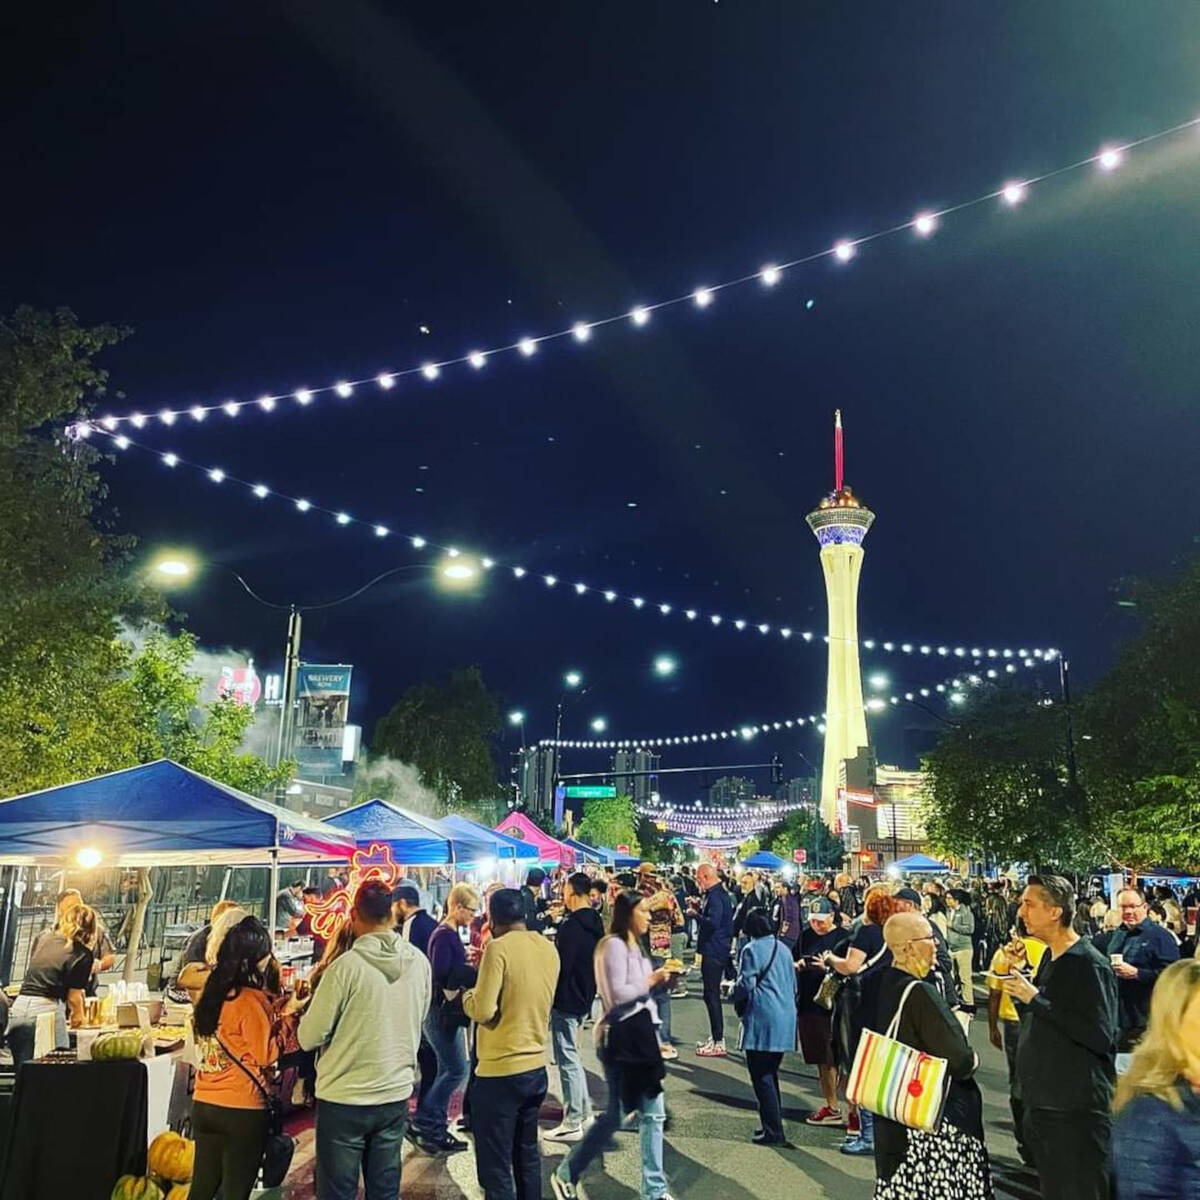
764 1078
504 1119
229 1150
712 971
427 1064
1070 1151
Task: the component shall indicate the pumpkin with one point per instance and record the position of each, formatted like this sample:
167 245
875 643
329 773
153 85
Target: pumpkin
120 1044
171 1156
179 1191
136 1187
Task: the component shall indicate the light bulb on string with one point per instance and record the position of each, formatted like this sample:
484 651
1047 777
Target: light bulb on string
527 346
581 331
925 224
844 251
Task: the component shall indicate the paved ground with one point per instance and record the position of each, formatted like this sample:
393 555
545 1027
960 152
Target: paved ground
708 1151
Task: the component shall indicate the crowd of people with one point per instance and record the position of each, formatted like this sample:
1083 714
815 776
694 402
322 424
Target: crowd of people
1096 1007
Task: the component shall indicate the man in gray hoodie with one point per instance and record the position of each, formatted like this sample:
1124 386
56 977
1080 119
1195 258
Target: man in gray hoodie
365 1017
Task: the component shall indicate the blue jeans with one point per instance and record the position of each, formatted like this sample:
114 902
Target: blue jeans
662 1000
359 1137
653 1112
452 1070
564 1034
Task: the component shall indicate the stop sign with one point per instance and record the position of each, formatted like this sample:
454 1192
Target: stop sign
801 855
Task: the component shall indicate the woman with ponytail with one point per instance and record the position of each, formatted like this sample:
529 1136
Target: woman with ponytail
236 1046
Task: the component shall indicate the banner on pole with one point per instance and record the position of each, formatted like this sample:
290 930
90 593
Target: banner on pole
322 705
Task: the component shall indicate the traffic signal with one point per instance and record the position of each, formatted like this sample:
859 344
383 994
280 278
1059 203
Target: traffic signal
776 769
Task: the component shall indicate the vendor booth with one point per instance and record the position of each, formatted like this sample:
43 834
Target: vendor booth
414 840
155 815
603 856
920 862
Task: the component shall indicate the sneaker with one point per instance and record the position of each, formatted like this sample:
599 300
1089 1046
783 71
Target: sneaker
449 1144
857 1146
825 1116
759 1138
711 1049
668 1051
680 993
564 1189
412 1135
853 1126
565 1133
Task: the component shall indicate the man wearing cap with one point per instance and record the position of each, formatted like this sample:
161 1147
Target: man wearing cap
942 976
815 1021
533 904
510 1004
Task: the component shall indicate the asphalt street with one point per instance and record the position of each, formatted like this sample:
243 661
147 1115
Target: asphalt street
708 1149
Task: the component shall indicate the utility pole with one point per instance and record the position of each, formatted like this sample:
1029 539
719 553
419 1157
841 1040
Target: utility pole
1064 679
291 671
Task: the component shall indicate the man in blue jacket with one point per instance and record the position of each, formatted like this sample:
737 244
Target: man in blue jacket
1139 952
713 947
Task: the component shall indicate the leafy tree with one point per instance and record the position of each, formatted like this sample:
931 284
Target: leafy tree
997 786
750 846
804 829
610 821
64 577
1140 726
654 844
445 731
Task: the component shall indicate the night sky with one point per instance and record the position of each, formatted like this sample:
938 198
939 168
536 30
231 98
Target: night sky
279 195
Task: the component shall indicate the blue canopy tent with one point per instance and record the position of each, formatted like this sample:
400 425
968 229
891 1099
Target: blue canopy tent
162 814
764 860
507 849
920 862
603 854
415 841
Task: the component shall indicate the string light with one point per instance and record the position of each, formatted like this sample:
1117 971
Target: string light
1108 158
1029 658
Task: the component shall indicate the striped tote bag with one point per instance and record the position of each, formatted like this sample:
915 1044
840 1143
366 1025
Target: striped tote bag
895 1081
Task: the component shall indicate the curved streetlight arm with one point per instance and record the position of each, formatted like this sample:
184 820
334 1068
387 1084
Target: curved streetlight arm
328 603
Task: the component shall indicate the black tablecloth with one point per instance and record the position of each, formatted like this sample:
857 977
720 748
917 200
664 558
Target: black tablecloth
77 1127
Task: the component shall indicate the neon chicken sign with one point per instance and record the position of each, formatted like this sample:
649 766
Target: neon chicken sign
330 913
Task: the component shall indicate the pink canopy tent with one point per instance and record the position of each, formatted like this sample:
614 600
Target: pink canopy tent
519 826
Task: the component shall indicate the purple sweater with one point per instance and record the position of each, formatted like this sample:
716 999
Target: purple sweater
448 960
621 971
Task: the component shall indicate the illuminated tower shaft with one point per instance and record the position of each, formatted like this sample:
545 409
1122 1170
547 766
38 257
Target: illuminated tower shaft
840 523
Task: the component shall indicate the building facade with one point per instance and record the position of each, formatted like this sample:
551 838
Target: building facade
629 769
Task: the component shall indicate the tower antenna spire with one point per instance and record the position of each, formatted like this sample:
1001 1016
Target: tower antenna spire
838 451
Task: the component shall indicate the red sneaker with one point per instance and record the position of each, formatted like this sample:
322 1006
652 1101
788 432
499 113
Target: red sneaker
825 1116
853 1126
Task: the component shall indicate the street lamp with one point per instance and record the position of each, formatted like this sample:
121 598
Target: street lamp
517 717
878 681
599 725
572 679
665 665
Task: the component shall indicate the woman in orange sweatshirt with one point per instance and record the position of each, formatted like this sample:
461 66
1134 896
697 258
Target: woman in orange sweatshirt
236 1045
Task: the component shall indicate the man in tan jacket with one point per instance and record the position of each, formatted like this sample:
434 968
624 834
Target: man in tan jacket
510 1003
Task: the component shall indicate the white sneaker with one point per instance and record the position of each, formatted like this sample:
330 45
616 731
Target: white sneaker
565 1133
711 1049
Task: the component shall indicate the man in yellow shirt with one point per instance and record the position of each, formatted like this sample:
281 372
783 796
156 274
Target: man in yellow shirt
510 1004
1022 954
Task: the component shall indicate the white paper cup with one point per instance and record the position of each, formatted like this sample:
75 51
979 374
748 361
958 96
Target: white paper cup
1117 959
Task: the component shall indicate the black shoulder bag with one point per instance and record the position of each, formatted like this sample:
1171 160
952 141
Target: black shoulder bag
279 1146
741 994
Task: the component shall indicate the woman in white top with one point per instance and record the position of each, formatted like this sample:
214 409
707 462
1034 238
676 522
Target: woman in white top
627 1039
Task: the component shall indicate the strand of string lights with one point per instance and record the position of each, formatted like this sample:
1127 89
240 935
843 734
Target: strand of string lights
923 225
953 689
1024 656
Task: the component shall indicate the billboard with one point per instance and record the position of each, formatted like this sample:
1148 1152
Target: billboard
242 683
322 705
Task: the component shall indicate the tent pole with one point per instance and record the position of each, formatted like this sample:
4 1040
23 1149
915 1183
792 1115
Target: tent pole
274 891
225 880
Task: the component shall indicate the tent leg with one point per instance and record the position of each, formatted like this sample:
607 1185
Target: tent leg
274 892
225 881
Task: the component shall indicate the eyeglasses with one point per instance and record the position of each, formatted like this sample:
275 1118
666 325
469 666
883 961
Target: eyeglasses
928 938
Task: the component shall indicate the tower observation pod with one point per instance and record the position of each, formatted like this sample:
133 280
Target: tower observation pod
840 523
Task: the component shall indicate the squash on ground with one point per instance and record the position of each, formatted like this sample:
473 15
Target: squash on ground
171 1156
136 1187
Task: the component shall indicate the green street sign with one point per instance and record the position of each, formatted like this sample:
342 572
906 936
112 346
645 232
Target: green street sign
591 792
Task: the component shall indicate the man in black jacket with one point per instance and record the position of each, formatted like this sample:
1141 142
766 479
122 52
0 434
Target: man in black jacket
1066 1047
1139 951
576 941
416 927
532 903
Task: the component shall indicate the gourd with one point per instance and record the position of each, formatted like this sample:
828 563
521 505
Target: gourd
120 1044
136 1187
171 1156
179 1192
